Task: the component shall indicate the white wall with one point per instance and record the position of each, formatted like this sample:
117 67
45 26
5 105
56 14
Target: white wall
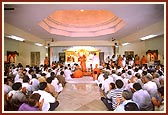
138 48
157 44
24 50
142 47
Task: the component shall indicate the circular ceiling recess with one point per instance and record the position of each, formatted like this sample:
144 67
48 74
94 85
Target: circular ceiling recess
82 23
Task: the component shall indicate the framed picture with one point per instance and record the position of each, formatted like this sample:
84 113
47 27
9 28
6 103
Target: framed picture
152 55
11 56
129 54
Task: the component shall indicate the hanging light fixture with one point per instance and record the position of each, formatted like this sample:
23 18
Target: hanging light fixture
52 40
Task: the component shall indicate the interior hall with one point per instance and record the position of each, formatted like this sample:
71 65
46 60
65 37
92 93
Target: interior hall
83 57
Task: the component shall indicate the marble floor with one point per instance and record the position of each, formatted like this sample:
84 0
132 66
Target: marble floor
80 94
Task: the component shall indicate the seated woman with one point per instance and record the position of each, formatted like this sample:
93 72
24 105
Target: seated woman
32 103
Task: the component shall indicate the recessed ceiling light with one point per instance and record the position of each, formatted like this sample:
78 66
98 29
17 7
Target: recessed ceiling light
82 10
38 44
124 44
15 37
148 37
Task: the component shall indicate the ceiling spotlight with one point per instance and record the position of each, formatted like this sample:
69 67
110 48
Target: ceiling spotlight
116 45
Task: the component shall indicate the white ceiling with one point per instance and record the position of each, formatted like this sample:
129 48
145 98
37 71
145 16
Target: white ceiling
136 17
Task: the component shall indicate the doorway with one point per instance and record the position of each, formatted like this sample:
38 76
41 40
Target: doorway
35 58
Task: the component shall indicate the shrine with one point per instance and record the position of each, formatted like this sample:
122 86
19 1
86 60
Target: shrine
73 55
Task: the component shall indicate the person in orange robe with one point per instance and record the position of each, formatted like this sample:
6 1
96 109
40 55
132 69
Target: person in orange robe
119 61
83 63
97 71
78 73
137 60
155 56
95 75
143 60
46 61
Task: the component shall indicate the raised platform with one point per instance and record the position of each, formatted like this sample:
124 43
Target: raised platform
86 73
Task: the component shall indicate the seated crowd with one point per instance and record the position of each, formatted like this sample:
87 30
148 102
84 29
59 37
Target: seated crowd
33 88
134 87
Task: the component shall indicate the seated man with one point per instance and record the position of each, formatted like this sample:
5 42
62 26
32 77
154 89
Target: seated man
32 103
97 70
16 97
50 102
77 73
131 106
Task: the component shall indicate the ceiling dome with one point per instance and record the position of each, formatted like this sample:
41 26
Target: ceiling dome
82 23
81 18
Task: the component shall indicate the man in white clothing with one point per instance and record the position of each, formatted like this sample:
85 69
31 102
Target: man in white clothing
105 84
95 60
67 74
150 86
50 102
